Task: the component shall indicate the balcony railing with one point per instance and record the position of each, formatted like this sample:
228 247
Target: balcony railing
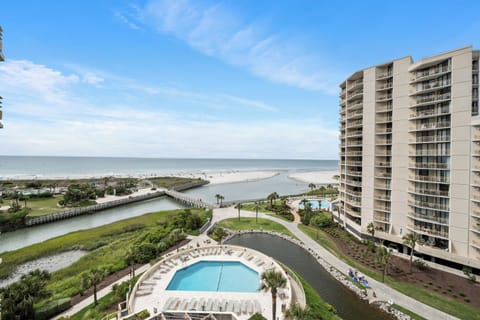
427 218
429 165
433 178
430 138
380 218
384 75
432 192
431 98
384 98
429 86
429 204
429 231
355 134
430 72
353 163
383 130
383 164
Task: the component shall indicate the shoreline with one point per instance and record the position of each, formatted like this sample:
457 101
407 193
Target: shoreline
320 178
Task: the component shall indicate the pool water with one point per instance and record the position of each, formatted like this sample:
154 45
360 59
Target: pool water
224 276
317 204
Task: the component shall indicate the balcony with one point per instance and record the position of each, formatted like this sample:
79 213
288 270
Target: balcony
384 109
354 123
356 173
384 75
383 119
384 98
355 85
428 205
383 175
382 208
353 183
353 163
385 86
427 114
434 98
358 133
430 73
428 219
429 165
430 178
384 164
353 203
355 106
429 231
354 114
429 87
429 139
431 126
383 142
429 192
382 197
383 130
383 186
355 95
381 218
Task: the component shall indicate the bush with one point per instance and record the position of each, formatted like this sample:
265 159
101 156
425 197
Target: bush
146 252
421 265
257 316
468 273
321 221
52 308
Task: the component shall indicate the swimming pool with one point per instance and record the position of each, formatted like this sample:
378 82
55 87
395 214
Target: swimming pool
317 204
224 276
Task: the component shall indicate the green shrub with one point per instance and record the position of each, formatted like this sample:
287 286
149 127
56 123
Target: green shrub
52 308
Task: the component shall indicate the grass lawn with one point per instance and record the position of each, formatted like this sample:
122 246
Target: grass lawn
437 301
42 207
413 315
262 206
170 182
250 224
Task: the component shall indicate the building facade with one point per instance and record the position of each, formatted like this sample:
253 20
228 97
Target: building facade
410 154
1 60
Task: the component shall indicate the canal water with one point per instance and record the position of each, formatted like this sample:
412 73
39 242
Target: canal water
28 236
348 305
280 184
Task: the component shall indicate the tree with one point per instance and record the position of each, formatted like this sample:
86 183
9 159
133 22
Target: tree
94 277
296 312
273 280
238 206
18 299
271 197
131 257
410 240
383 256
218 196
256 208
221 198
371 229
220 234
312 186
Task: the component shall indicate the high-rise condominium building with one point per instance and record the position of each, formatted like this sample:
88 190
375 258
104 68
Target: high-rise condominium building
410 154
1 59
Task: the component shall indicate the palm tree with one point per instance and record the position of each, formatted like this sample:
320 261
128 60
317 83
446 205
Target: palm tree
296 312
256 208
218 196
131 257
273 280
220 233
371 229
383 256
271 197
410 240
221 199
312 186
94 277
238 206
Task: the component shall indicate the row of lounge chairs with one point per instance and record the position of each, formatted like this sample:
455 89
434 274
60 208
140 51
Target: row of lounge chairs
238 307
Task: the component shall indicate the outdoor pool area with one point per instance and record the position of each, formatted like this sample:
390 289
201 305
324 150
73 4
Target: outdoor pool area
317 204
223 276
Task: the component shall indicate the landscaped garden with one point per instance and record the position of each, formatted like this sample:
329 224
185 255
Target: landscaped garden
447 292
251 224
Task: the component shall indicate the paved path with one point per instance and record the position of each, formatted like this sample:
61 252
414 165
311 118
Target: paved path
383 292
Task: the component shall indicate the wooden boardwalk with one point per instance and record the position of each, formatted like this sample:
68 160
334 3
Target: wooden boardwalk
189 201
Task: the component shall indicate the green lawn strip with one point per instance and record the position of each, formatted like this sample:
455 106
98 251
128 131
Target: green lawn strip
40 207
413 315
84 239
262 206
319 308
279 217
442 303
250 224
92 312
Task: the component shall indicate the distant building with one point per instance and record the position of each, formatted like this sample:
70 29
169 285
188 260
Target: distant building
2 58
410 154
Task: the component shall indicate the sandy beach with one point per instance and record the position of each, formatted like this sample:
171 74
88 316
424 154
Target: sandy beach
316 177
229 176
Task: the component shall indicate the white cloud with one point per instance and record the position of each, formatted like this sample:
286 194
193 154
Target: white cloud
218 31
22 76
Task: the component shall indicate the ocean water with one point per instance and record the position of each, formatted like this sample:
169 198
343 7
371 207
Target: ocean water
24 167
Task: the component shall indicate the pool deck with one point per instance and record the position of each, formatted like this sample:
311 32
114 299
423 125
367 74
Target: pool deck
150 291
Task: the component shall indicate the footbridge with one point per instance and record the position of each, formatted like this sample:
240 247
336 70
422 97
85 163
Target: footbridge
189 201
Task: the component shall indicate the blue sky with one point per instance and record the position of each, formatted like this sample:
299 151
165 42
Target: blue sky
202 79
